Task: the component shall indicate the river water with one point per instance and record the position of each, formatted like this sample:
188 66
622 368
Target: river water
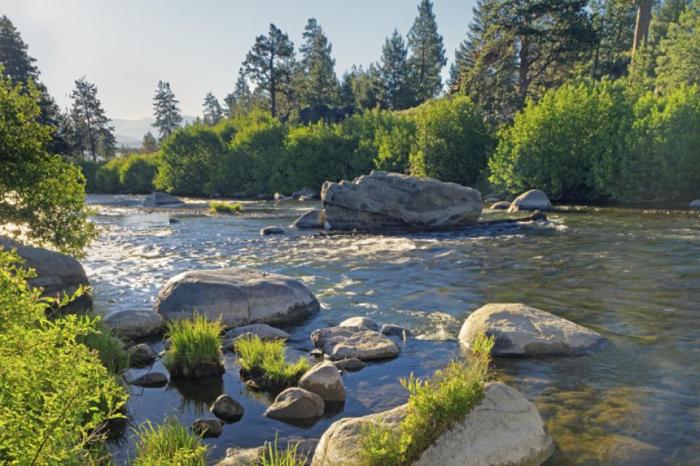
632 276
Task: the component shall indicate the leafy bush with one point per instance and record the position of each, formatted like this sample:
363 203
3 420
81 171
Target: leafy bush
368 132
108 177
265 360
109 348
89 170
394 146
55 395
168 444
137 173
452 140
221 207
194 343
434 406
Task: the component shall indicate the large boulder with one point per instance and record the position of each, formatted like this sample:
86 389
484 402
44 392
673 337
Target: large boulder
134 324
236 296
296 404
383 200
324 380
354 342
504 428
531 200
695 205
56 273
314 218
159 199
521 330
360 321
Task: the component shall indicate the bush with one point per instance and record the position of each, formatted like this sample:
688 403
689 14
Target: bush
220 207
195 347
89 170
290 456
55 395
368 132
168 444
265 361
394 146
109 348
434 406
108 179
452 140
137 173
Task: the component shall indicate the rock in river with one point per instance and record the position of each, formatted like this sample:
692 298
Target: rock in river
227 409
242 456
141 355
134 324
383 200
500 205
521 330
236 296
695 204
359 321
296 404
531 200
314 218
159 199
271 230
152 379
264 331
207 427
349 364
504 428
354 342
324 380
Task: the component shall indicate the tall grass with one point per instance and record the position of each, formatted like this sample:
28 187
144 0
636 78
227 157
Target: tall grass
168 444
265 359
221 207
290 456
109 348
434 406
195 344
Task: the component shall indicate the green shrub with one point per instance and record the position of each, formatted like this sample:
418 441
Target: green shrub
89 170
265 361
195 347
110 349
221 207
368 133
452 140
434 406
55 395
290 456
108 179
394 146
168 444
137 173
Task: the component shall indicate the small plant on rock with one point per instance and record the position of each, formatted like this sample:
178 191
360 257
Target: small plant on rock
195 348
264 362
221 207
290 456
168 444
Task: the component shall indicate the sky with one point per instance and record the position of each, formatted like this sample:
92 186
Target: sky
126 46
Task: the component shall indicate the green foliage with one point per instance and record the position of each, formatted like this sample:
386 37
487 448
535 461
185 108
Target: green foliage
434 406
168 444
679 59
109 348
452 141
55 395
193 342
137 173
91 130
89 169
427 55
290 456
266 358
107 179
220 207
166 110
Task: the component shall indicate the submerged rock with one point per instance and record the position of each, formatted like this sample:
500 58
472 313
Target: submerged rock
142 355
500 205
695 205
354 342
504 428
383 200
207 427
521 330
324 380
134 324
152 379
271 230
531 200
359 321
236 296
349 364
227 409
314 218
158 199
296 404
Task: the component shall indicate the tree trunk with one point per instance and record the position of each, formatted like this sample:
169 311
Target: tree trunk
641 27
273 87
524 68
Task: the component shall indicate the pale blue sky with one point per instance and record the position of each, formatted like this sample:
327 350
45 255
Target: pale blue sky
126 46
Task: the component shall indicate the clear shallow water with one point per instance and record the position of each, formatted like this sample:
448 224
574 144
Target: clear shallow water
635 278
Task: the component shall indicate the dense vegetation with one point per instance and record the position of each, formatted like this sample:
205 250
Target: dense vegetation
168 444
194 345
265 361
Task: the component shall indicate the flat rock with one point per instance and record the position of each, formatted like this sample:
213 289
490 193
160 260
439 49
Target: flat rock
296 404
227 409
531 200
271 230
500 205
695 204
522 330
354 342
264 331
324 380
158 199
134 324
392 330
141 355
349 364
242 456
383 200
358 321
504 428
236 296
152 379
314 218
207 427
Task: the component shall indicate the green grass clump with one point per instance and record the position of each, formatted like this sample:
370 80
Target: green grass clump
434 406
110 349
265 359
221 207
195 347
290 456
168 444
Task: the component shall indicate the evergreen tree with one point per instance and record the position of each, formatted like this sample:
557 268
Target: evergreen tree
427 54
679 51
166 110
361 88
394 74
240 101
318 85
213 112
92 130
269 65
149 143
613 22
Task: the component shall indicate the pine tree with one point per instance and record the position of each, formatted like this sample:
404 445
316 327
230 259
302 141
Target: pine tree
149 143
427 54
361 89
613 22
319 83
213 112
239 102
166 110
92 130
394 74
269 65
679 51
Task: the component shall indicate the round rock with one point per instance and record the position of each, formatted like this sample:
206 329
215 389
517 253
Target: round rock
142 355
314 218
359 321
133 324
531 200
392 330
152 379
354 342
296 404
349 364
324 380
227 409
207 427
522 330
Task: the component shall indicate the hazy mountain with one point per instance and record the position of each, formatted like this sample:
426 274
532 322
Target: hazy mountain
130 132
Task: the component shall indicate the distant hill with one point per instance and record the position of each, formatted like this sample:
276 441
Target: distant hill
130 132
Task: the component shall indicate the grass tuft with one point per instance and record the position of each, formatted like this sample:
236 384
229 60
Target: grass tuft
222 207
195 347
434 406
290 456
168 444
109 348
265 360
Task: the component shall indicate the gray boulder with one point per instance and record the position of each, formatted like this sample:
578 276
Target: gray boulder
236 296
242 456
354 342
207 427
264 331
521 330
314 218
695 205
531 200
392 330
56 273
324 380
271 230
349 364
296 404
159 199
500 205
504 428
383 200
359 321
152 379
134 324
141 355
227 409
